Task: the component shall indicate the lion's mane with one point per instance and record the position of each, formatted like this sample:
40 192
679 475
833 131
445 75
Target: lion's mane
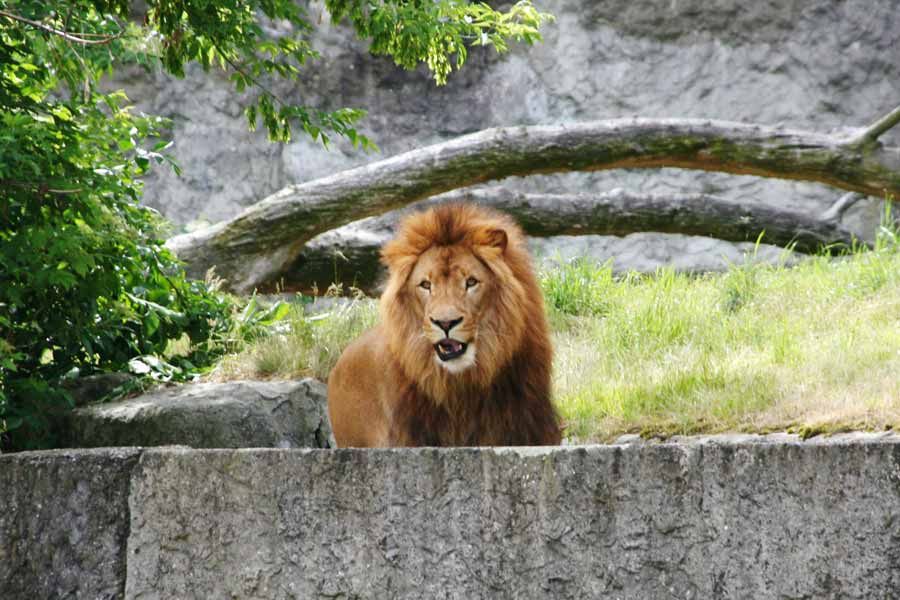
504 399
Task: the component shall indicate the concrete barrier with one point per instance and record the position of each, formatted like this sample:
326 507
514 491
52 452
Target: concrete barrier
64 523
711 518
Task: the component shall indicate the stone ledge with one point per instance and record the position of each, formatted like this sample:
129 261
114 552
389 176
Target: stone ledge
719 517
851 437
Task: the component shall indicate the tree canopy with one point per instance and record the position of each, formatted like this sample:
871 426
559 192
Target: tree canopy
86 284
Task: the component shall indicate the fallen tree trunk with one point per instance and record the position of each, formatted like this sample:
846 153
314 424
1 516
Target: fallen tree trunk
350 254
257 246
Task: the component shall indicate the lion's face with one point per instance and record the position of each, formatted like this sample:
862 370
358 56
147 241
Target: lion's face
452 288
460 284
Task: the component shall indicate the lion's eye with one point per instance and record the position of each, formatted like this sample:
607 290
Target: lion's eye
471 282
425 285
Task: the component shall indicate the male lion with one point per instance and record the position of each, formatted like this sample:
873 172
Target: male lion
462 356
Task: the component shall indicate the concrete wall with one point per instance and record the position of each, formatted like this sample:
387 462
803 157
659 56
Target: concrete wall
720 518
64 523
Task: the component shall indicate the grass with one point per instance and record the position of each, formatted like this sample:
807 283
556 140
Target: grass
302 344
809 348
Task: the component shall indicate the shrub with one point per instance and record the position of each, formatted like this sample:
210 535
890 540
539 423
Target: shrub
85 282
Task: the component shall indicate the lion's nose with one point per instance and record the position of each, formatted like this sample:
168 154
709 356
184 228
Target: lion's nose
447 325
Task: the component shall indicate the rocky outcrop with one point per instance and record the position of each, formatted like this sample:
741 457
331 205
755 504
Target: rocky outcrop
240 414
718 517
812 64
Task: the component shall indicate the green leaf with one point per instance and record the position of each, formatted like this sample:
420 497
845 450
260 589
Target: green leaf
151 324
275 313
61 112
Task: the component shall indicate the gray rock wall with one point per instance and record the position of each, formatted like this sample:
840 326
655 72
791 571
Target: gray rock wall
715 518
817 64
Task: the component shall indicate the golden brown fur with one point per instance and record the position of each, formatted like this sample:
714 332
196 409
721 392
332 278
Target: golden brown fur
462 355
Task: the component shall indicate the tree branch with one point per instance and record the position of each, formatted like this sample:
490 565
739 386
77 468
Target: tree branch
41 188
102 39
259 244
622 213
876 129
350 254
837 210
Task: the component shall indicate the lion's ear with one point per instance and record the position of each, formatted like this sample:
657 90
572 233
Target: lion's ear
496 238
395 254
399 260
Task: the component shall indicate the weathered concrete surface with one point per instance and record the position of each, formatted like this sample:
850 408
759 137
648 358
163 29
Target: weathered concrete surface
696 520
239 414
64 523
715 517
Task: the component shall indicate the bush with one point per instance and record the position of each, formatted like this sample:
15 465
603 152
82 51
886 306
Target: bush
85 282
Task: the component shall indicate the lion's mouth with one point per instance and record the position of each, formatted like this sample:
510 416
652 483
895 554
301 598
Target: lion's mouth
448 349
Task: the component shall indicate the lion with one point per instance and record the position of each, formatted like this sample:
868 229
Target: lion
462 356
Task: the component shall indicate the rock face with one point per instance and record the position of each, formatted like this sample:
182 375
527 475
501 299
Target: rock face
248 414
712 518
815 64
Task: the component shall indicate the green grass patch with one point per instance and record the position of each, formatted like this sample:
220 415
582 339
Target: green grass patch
759 348
302 344
810 348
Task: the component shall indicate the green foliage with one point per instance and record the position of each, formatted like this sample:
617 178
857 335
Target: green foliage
437 31
86 284
887 238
